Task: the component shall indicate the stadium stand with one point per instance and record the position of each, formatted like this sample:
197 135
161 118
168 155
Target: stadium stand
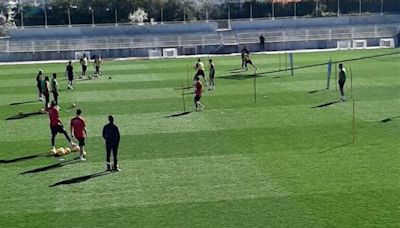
196 38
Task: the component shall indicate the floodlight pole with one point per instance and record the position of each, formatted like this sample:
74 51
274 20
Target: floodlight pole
184 15
92 11
116 17
69 17
162 14
338 8
206 14
273 10
295 10
45 17
381 7
229 16
22 19
251 12
360 6
316 8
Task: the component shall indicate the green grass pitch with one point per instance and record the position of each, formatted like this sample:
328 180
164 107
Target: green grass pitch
275 163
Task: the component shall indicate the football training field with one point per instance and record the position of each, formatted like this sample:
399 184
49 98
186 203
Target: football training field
287 160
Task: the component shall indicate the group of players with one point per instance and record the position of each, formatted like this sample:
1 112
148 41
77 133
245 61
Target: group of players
78 123
200 71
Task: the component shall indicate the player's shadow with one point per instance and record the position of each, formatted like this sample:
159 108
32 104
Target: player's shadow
24 115
23 102
81 179
25 158
389 119
325 104
178 115
240 76
184 88
336 147
51 167
316 91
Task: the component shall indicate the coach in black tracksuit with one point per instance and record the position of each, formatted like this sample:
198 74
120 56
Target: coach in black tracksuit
112 137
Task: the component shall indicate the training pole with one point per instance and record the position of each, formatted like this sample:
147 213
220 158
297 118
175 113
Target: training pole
187 75
280 67
351 83
255 88
336 77
354 121
183 96
286 66
291 63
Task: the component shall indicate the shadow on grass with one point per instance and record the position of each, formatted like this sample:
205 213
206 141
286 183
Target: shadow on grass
24 115
316 91
81 179
239 76
23 102
389 119
184 88
326 104
50 167
25 158
336 147
178 115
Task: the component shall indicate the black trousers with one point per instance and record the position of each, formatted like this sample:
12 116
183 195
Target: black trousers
55 97
47 100
112 147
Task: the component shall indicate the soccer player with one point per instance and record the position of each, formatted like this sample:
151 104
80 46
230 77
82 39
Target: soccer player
69 72
262 42
198 92
54 88
84 62
56 126
46 92
248 61
112 137
97 65
39 84
342 81
212 74
78 130
244 52
200 71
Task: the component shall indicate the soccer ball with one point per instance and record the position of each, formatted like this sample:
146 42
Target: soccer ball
73 105
90 76
60 151
67 150
75 148
84 154
42 111
53 152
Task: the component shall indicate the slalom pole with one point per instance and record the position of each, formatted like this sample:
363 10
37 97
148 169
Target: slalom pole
291 63
335 77
183 97
354 121
255 87
286 65
351 83
280 56
187 74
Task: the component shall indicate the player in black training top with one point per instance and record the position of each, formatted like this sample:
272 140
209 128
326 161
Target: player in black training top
69 72
112 137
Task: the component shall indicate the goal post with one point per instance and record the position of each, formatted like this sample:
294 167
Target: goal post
344 45
170 52
359 44
79 55
386 43
155 54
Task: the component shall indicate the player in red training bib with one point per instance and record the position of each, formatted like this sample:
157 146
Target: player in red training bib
56 125
198 92
78 130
